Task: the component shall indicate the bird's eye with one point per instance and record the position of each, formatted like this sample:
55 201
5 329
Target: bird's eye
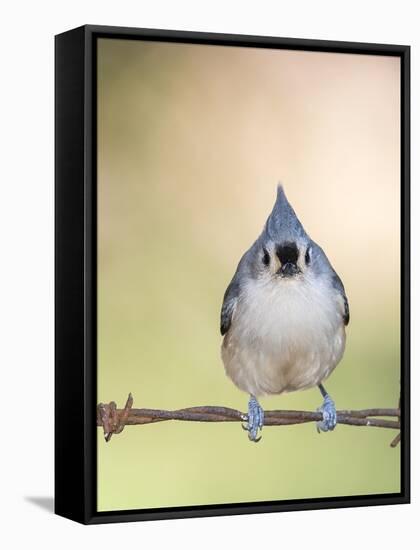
308 255
266 257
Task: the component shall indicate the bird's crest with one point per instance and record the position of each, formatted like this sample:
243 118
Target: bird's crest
283 224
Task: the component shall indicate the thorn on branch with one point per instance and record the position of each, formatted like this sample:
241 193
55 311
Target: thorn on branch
112 420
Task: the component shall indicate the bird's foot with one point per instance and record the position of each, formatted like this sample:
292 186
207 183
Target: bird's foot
329 415
255 420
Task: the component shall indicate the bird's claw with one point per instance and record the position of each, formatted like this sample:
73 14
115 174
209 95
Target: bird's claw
329 415
255 420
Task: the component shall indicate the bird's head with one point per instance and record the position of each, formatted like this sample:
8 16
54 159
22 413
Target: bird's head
284 250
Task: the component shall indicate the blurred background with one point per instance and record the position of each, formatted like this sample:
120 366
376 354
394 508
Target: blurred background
192 141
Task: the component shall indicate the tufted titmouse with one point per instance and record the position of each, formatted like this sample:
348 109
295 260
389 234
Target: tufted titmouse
283 317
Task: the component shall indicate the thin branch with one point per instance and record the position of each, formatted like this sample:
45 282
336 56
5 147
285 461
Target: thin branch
396 440
114 420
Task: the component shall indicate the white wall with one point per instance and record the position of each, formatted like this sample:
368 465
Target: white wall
26 271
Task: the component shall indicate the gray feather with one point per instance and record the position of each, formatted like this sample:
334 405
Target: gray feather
338 285
228 307
283 223
322 266
230 298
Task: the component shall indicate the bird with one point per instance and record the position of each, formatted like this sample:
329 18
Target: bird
283 318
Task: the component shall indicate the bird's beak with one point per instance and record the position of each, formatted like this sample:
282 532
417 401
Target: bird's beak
289 269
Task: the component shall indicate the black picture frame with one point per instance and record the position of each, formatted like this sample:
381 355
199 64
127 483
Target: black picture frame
75 272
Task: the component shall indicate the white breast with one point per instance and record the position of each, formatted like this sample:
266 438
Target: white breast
286 335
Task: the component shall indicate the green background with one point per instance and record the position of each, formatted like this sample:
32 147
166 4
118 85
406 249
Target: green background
192 141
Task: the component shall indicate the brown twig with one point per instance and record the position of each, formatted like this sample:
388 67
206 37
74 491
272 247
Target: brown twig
397 438
113 420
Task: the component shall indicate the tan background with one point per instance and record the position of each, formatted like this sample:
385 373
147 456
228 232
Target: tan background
192 141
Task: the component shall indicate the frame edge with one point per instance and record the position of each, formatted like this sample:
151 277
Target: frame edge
70 479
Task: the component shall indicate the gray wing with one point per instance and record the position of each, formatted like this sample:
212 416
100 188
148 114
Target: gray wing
230 299
229 303
338 285
322 266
